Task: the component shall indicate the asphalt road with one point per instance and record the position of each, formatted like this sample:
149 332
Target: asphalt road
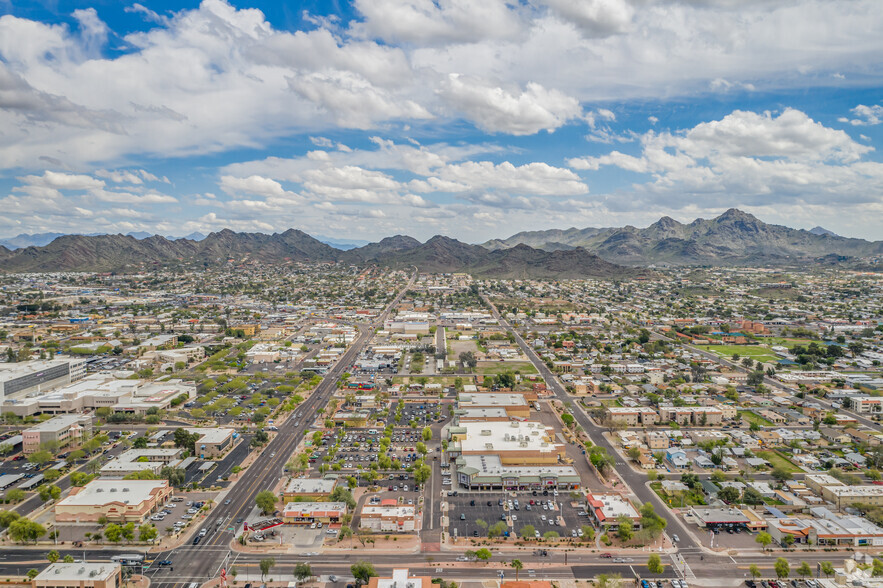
205 560
634 480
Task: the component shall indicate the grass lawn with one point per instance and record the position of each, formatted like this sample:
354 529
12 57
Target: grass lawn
494 368
779 461
755 352
789 343
692 498
754 418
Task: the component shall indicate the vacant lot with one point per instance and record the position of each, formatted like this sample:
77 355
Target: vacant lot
779 461
755 352
493 368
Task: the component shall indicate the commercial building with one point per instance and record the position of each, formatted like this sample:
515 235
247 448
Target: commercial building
79 575
135 461
514 442
608 509
487 472
309 488
117 500
212 442
867 404
728 518
515 405
388 517
824 527
59 431
17 380
306 513
101 390
400 579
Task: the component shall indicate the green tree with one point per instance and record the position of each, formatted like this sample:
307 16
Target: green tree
551 535
484 554
764 539
302 571
52 556
24 531
363 571
728 494
266 564
341 494
266 501
625 529
754 571
827 568
781 474
33 573
68 559
15 495
654 564
782 568
497 529
804 570
427 434
175 476
113 533
527 532
518 565
147 533
40 457
7 517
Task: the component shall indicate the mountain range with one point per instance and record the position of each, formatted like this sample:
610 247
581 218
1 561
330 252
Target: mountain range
733 238
126 253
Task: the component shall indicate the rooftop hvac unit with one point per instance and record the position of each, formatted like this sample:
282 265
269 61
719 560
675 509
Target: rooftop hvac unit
486 432
523 444
92 574
488 445
99 489
113 489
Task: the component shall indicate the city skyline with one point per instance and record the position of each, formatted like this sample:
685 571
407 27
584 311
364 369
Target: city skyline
369 119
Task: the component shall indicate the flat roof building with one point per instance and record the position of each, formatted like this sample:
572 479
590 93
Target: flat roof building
400 579
212 442
19 379
608 508
79 575
305 513
487 472
389 517
310 487
60 431
117 500
515 442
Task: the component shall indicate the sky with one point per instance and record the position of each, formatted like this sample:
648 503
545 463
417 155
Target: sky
359 119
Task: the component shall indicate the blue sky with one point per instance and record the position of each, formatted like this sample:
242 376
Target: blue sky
366 118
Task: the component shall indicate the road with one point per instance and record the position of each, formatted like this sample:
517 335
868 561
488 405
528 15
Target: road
204 561
635 481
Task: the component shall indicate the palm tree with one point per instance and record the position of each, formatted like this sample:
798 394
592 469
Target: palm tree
518 565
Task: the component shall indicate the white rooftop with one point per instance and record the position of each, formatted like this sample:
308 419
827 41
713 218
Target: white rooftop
100 492
88 572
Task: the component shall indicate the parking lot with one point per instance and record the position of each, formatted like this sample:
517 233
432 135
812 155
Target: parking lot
467 508
357 449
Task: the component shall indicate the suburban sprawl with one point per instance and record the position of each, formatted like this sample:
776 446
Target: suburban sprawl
329 424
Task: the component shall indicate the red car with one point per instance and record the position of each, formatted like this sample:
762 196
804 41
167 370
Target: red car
606 555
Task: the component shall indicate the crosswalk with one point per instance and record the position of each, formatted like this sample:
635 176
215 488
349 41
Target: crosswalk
680 564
